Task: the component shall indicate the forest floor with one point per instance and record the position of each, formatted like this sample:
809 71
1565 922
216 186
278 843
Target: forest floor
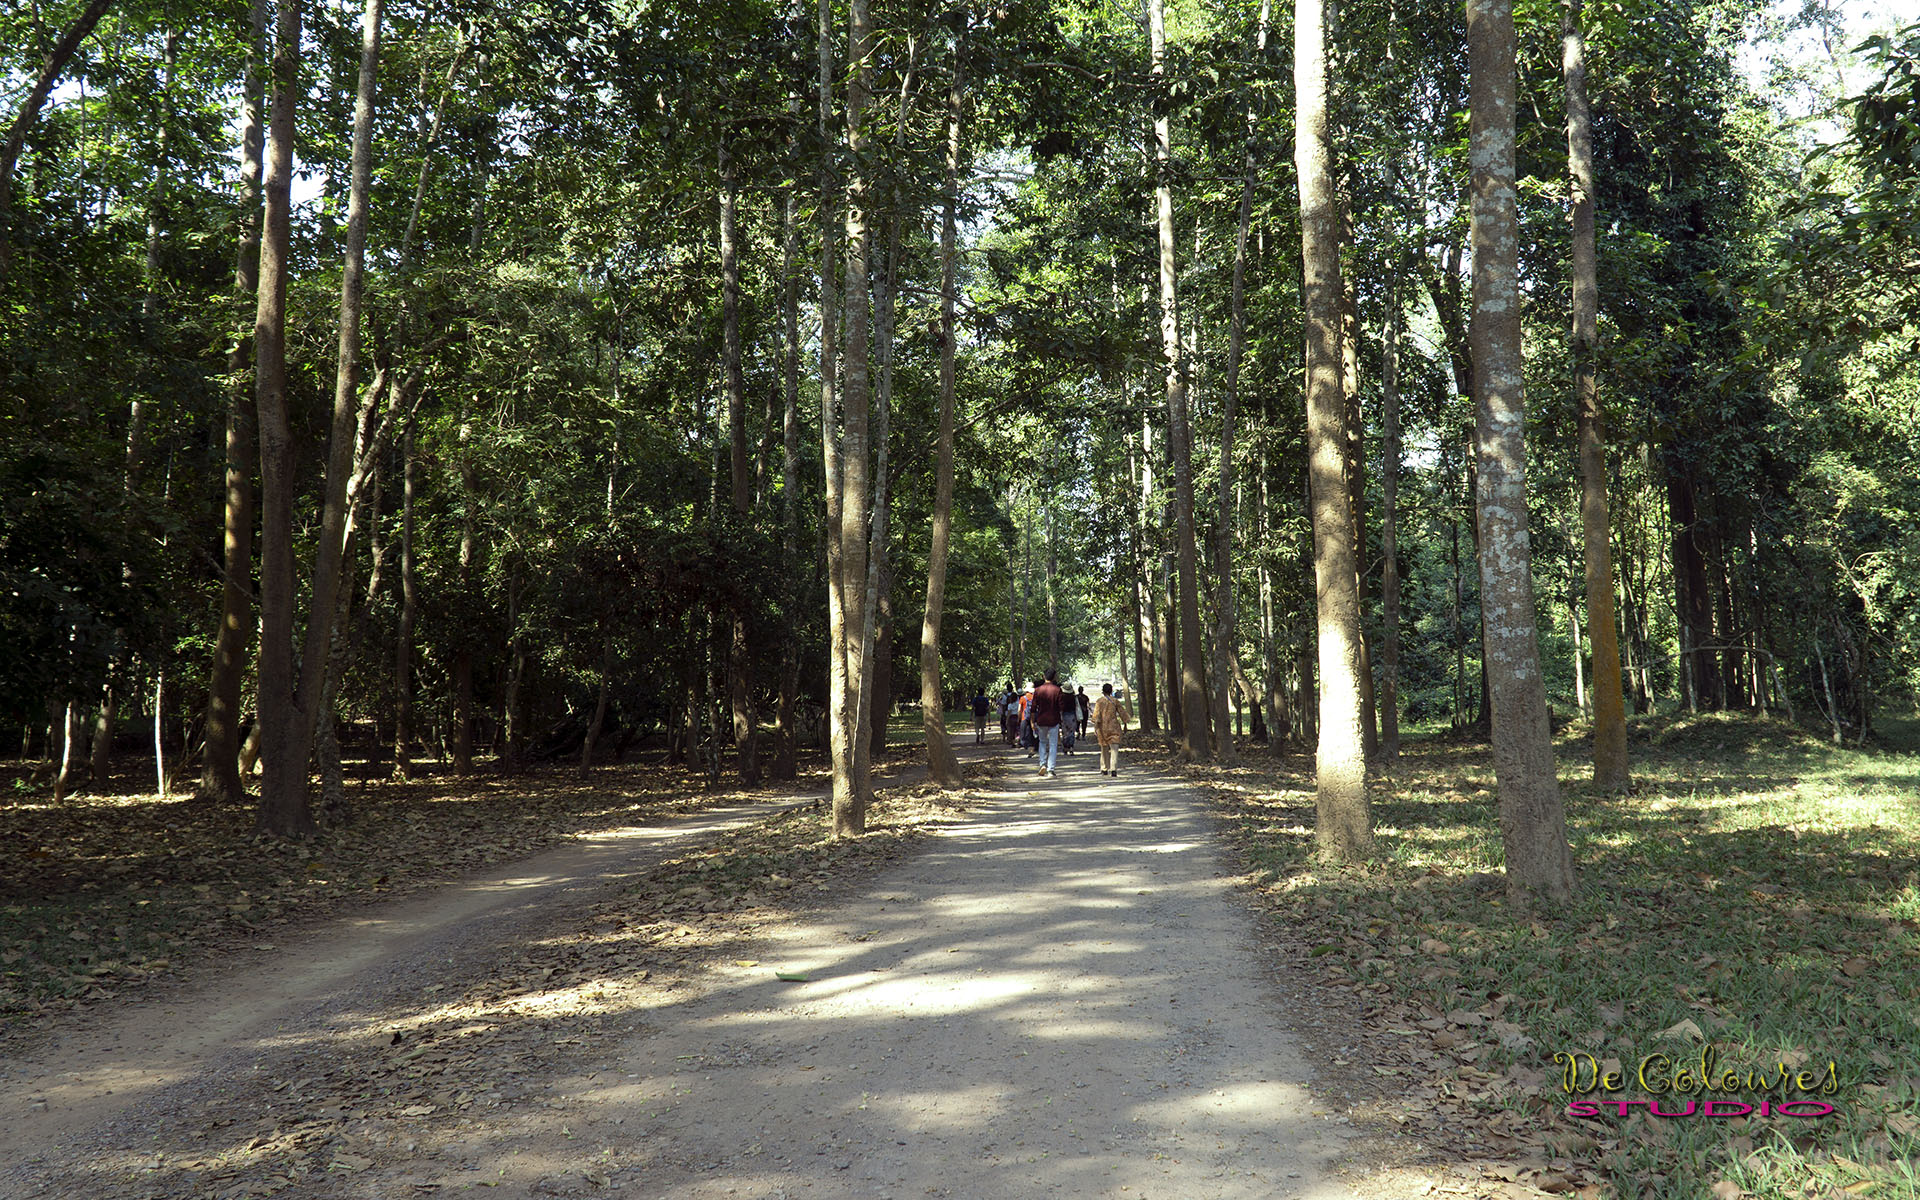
1058 993
1133 988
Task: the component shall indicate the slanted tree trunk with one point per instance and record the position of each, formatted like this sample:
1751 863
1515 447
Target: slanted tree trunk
1195 741
1532 823
36 98
1343 823
942 767
1610 768
746 723
220 781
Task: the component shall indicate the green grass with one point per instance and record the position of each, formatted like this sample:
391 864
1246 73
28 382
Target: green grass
1757 882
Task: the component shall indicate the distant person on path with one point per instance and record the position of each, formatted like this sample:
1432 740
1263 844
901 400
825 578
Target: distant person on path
1045 710
1110 719
1028 738
980 706
1068 718
1009 715
1083 704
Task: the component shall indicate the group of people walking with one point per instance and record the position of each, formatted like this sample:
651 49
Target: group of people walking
1048 718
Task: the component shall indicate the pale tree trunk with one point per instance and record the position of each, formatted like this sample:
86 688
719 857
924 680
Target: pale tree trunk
1195 743
1389 705
746 723
1343 824
284 731
220 781
1224 632
1048 568
409 606
1272 685
942 767
463 653
1356 469
50 69
785 765
1532 822
1146 634
1610 768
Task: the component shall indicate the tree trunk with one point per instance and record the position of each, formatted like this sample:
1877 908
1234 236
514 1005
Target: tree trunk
1273 686
409 607
50 69
785 764
1050 566
746 724
220 781
1195 742
1356 472
1533 825
1611 772
880 690
1389 705
1147 635
1343 825
845 453
285 731
942 767
1224 658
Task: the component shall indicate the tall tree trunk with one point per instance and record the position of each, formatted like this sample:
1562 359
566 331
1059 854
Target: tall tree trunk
36 98
880 690
1195 742
1272 681
1356 469
942 767
1533 825
1147 636
1050 568
785 765
845 453
409 606
1610 769
746 724
220 781
1343 824
285 731
512 727
1224 648
1389 705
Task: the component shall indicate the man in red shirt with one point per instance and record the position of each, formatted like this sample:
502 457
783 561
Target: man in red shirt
1049 703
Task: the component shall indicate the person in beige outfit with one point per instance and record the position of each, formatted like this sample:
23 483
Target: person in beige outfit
1110 719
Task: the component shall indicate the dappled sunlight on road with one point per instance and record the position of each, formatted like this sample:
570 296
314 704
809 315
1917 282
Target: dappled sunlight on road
1057 998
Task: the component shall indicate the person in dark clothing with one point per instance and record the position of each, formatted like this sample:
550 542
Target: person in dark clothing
1080 695
1046 710
980 706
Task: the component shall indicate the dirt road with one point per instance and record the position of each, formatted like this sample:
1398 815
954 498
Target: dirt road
1059 997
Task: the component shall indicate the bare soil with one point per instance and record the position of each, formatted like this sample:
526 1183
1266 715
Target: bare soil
1059 994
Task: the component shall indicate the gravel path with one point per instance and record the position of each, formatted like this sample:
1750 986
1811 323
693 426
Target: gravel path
1059 997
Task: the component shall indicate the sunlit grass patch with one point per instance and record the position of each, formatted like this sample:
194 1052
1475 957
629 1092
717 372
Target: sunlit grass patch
1759 892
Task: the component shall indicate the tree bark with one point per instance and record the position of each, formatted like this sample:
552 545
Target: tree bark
1195 742
1610 767
1343 825
942 767
1533 825
785 764
220 781
746 724
1389 705
284 732
1224 657
409 606
1148 635
36 98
